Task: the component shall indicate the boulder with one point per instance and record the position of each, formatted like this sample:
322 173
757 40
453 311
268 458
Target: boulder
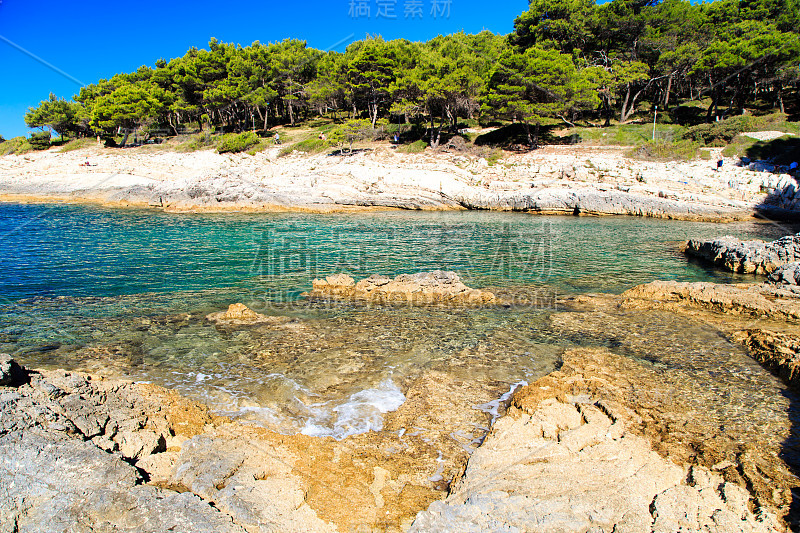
748 257
788 274
424 288
10 372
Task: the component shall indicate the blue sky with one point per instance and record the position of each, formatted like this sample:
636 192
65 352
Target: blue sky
92 39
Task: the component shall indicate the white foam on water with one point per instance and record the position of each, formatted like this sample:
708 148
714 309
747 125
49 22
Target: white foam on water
493 408
362 412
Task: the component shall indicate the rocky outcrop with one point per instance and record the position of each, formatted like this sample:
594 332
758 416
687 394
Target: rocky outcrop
747 257
10 372
66 448
569 456
591 201
779 352
752 300
425 288
788 274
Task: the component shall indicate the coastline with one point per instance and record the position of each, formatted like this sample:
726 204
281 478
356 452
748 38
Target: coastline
560 180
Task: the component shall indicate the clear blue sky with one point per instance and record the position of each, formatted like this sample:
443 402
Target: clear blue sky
92 39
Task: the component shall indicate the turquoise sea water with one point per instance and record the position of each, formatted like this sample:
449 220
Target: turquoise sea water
125 292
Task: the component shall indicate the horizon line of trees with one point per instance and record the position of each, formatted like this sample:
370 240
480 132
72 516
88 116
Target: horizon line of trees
565 60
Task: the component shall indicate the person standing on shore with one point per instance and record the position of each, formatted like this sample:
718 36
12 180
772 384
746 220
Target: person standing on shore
719 165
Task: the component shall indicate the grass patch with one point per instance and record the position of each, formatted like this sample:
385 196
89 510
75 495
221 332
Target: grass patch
309 146
626 134
782 151
417 147
494 157
665 151
77 144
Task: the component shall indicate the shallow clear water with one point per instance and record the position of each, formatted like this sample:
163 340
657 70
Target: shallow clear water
125 293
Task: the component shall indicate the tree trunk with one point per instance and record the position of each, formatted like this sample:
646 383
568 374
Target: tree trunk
669 89
171 123
622 115
528 133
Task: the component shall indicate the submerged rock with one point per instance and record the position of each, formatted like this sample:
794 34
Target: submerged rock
757 257
779 352
240 314
425 288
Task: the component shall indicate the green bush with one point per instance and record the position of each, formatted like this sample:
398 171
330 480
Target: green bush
723 132
40 141
17 145
237 143
417 147
666 151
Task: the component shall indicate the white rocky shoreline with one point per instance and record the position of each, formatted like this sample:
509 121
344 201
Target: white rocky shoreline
553 180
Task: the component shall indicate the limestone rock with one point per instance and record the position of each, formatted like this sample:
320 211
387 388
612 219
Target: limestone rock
779 352
10 372
55 479
747 257
425 288
757 300
240 314
788 274
566 459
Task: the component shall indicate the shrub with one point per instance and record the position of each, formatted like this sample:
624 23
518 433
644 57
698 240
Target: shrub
665 151
237 143
17 145
40 141
723 132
